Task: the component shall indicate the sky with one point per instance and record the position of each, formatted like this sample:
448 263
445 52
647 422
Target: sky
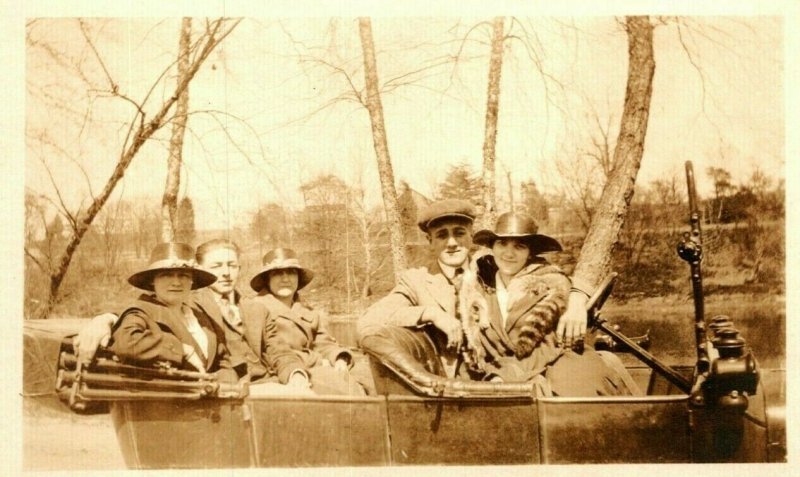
717 100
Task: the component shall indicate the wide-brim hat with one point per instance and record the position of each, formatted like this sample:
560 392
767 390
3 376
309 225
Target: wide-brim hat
456 208
518 226
278 259
171 256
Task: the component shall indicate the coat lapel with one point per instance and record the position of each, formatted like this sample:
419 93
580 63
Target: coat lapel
212 345
496 322
302 318
442 290
524 298
204 298
174 322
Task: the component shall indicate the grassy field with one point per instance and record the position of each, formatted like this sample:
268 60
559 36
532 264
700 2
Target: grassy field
761 320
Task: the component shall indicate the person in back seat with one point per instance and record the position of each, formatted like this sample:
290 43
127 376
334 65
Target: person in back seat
296 346
163 327
220 301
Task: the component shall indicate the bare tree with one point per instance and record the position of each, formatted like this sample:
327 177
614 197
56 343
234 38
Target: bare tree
490 131
145 226
595 256
722 188
169 202
139 132
385 172
110 225
580 185
602 149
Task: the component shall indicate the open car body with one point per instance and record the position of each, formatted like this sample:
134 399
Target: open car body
420 417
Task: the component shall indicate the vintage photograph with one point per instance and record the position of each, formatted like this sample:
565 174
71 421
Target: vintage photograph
364 241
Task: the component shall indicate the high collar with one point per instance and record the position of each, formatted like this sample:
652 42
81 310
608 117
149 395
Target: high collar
218 298
487 270
446 270
274 301
152 298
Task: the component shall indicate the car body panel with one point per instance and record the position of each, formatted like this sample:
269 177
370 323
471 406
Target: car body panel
647 429
319 431
183 434
400 428
463 431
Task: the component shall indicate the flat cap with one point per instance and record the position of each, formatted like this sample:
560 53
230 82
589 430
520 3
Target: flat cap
445 208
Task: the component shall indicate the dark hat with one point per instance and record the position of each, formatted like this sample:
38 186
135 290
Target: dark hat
445 208
519 226
278 259
171 256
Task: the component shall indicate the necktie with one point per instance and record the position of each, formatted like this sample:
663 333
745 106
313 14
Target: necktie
458 278
230 311
457 281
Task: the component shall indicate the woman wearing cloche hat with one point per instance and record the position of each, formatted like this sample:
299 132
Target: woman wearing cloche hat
521 297
163 326
296 347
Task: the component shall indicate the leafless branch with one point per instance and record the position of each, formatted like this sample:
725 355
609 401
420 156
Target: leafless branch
61 206
36 261
114 87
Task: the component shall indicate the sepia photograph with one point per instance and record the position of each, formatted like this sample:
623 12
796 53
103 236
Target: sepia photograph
354 240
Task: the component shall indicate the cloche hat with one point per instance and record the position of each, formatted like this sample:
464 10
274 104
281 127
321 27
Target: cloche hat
519 226
171 256
277 259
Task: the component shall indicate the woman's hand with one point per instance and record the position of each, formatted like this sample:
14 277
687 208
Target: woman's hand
572 324
191 357
95 334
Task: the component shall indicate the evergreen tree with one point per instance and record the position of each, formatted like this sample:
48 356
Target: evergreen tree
461 182
533 202
408 211
184 228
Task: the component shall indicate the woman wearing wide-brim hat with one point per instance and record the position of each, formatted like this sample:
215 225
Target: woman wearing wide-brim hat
523 296
163 326
296 346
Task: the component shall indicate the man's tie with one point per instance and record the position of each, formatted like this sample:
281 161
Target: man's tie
457 281
230 312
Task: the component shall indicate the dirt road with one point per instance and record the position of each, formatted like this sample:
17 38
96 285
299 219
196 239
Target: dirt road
59 440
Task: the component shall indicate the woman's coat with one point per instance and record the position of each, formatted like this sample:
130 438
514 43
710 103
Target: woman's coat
292 338
148 332
525 345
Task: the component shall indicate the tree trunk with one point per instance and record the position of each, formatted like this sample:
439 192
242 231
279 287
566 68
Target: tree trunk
169 202
140 136
489 215
595 258
375 108
511 207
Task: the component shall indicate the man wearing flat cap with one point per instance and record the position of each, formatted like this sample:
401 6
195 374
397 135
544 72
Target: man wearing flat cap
425 297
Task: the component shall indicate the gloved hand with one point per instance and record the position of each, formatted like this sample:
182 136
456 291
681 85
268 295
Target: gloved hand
95 334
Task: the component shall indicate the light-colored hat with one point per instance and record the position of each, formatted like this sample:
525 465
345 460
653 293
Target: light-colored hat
519 226
445 208
171 256
278 259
